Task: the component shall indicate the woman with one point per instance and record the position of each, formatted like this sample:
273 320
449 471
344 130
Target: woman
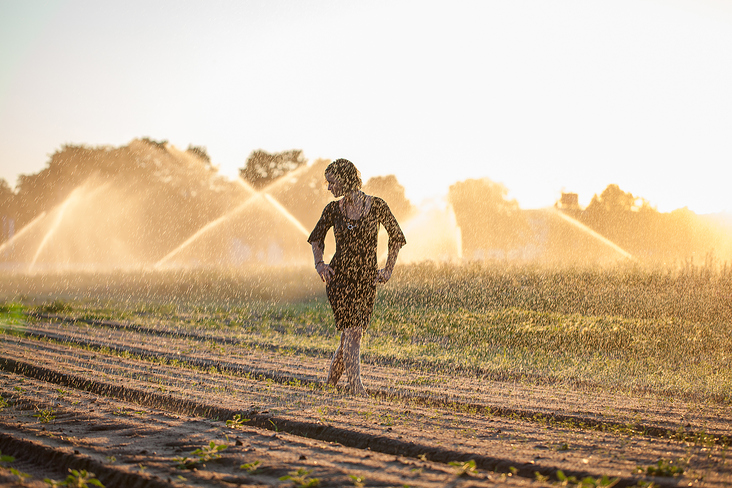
351 276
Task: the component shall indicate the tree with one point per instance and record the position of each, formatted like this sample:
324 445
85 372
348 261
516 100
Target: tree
627 220
6 196
167 198
7 210
199 151
306 195
388 188
488 220
614 201
262 168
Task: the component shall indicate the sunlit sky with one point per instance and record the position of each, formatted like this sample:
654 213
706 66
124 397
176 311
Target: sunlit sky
543 97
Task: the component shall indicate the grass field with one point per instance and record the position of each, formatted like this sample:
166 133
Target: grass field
662 331
537 376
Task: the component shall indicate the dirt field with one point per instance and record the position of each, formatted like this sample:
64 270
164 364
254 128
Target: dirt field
143 407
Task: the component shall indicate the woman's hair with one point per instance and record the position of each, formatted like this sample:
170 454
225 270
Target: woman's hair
346 173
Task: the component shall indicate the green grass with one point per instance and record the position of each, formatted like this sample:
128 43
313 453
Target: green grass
655 330
11 314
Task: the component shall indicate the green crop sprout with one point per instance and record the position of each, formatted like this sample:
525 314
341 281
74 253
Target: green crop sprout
20 475
251 468
237 422
76 479
6 459
300 478
202 455
464 469
359 481
588 482
46 415
664 467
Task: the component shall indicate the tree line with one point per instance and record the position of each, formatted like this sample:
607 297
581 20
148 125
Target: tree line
181 191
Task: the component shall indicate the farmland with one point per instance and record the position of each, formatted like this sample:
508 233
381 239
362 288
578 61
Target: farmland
477 374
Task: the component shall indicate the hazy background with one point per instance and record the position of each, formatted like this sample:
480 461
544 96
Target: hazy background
540 96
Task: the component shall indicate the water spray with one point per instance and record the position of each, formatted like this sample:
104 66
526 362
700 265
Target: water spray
22 231
256 196
57 221
593 234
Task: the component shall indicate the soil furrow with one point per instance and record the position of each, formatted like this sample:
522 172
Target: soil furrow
328 433
661 426
378 360
530 447
47 459
143 446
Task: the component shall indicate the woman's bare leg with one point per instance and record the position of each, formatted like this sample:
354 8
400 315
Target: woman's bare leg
336 363
351 346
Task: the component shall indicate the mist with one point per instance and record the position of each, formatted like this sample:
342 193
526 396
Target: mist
151 206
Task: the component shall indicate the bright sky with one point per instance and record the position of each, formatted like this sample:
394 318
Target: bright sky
540 96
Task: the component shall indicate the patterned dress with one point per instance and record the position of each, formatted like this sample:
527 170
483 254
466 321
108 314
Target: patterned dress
351 291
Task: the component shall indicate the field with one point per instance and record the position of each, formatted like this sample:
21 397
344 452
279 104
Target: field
478 375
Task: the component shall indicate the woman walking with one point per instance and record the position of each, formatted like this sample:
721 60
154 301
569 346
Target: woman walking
351 276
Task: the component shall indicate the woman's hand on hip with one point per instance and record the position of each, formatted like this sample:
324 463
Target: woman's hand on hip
325 272
382 276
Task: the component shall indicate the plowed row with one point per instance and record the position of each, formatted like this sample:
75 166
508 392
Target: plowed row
128 401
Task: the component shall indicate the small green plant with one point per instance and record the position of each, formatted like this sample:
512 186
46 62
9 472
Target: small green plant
359 481
251 468
237 422
110 459
184 462
322 412
588 482
6 459
664 467
77 479
55 307
210 452
387 420
300 478
464 469
11 314
46 415
20 475
3 403
540 477
202 455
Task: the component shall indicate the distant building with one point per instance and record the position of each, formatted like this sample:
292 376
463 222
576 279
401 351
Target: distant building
569 201
569 205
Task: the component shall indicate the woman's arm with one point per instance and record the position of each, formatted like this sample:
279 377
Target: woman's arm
317 241
324 270
396 240
385 274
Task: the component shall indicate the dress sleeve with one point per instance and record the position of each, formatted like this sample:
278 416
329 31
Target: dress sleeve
321 228
386 218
